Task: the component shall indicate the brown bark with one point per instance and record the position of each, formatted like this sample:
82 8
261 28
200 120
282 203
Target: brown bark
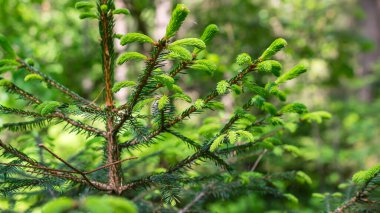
371 29
121 71
162 18
113 153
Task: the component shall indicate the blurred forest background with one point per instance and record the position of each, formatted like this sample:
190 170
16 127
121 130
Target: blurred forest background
339 40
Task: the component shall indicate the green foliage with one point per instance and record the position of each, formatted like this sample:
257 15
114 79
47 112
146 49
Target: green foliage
270 66
291 74
199 104
216 143
84 5
316 116
274 48
179 53
222 87
178 16
48 107
244 59
362 177
291 197
162 102
190 42
121 11
165 80
209 33
33 77
119 85
295 108
175 149
130 56
135 37
94 204
6 47
88 15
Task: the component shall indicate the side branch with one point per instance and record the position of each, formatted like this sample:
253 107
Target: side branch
57 85
70 166
192 108
151 65
361 196
47 171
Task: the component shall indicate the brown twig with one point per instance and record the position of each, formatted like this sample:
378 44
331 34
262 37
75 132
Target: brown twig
258 160
359 197
57 85
194 201
110 164
38 167
69 165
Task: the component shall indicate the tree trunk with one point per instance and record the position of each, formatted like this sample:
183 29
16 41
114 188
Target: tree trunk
163 8
371 29
121 71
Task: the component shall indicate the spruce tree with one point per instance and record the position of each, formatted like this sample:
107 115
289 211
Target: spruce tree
151 115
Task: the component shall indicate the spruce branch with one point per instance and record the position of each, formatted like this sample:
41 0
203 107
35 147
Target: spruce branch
19 112
57 85
192 108
70 166
175 70
38 167
151 64
12 88
81 126
208 154
27 125
194 201
47 171
361 195
110 164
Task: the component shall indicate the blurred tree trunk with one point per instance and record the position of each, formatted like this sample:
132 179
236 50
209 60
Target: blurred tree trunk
162 18
163 8
121 71
371 29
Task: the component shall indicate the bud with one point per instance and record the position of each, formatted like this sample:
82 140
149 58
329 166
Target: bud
276 46
244 59
178 16
162 102
222 87
270 66
84 5
209 33
293 73
121 11
190 42
199 104
135 37
130 56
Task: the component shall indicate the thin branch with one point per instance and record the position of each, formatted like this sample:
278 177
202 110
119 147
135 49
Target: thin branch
110 164
174 72
198 147
57 85
78 124
39 167
49 171
194 201
258 160
151 65
359 197
192 108
68 164
15 89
